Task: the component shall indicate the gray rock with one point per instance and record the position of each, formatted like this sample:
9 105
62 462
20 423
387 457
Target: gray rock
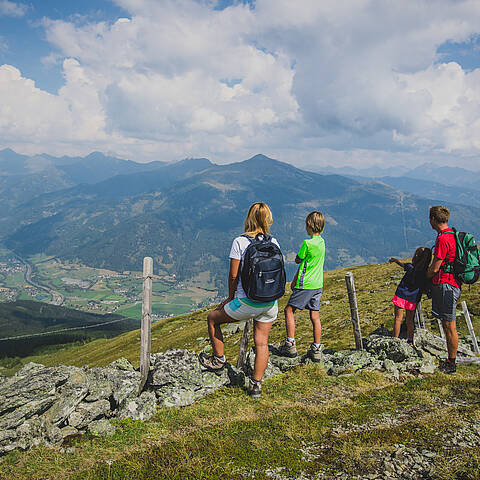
430 343
139 408
7 441
351 359
31 384
30 392
391 368
122 364
69 431
69 396
282 363
118 384
100 387
86 413
101 428
178 379
391 348
38 431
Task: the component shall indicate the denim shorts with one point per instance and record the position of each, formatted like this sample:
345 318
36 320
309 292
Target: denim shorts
309 299
444 301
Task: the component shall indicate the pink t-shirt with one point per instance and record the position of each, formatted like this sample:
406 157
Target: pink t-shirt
445 249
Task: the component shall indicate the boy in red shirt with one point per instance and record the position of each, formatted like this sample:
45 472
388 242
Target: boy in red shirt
446 289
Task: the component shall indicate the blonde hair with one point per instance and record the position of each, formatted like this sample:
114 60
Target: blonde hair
315 222
439 214
259 219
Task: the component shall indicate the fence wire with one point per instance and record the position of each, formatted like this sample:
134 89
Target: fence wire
64 330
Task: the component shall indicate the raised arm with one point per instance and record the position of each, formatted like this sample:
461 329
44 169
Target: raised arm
398 262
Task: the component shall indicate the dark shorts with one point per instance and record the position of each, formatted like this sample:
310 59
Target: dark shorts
309 299
444 301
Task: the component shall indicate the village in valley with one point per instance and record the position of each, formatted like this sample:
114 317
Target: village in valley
95 290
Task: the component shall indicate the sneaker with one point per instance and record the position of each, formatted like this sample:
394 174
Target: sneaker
448 367
211 362
315 353
288 350
254 389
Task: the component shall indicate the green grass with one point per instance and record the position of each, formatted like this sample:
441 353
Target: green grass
305 422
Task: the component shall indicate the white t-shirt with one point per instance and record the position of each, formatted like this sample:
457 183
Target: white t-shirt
237 252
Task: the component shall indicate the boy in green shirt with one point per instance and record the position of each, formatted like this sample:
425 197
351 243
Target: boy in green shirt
307 287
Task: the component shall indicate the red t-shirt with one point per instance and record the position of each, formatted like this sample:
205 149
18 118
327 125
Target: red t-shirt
445 249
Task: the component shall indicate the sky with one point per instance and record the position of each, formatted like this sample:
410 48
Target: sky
333 82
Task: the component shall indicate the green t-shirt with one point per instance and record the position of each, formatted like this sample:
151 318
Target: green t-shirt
312 253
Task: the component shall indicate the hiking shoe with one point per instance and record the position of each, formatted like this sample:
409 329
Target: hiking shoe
314 353
448 367
211 362
254 389
287 350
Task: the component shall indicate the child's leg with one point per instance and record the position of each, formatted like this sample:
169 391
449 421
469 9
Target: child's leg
260 338
409 314
290 321
317 326
398 321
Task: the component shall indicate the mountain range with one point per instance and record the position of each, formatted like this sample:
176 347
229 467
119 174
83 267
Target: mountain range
185 215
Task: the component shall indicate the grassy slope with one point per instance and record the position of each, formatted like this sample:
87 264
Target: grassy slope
305 421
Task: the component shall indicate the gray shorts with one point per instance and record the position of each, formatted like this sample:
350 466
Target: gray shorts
444 301
309 299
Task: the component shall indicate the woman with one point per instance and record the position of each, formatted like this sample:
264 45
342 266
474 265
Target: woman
238 307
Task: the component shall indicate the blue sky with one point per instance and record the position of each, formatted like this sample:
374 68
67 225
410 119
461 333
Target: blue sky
307 82
25 36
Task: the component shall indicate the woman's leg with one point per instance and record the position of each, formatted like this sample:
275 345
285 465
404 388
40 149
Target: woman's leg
409 314
397 321
260 338
214 319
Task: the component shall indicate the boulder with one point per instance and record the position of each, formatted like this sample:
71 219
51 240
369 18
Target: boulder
85 413
351 359
38 431
178 379
7 441
391 348
69 396
138 408
30 392
100 386
101 428
282 363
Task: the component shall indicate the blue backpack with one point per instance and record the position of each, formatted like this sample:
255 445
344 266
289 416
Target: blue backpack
262 270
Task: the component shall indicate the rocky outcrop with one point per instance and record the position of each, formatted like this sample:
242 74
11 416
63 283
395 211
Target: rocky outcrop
45 405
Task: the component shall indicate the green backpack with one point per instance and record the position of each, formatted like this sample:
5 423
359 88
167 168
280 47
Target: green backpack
466 264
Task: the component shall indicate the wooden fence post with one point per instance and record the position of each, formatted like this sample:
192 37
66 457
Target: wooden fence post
418 318
466 314
146 334
242 353
352 299
421 318
440 327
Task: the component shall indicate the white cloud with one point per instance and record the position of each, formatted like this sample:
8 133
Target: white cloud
12 9
291 79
